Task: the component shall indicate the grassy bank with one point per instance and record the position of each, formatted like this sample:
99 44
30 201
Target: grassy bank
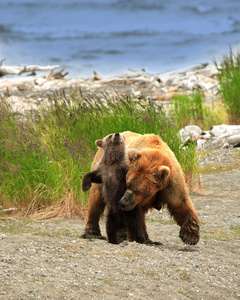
45 154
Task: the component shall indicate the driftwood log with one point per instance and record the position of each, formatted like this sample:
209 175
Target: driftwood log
18 70
22 69
30 81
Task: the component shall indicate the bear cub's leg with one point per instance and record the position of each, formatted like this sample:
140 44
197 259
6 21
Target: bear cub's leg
114 223
90 177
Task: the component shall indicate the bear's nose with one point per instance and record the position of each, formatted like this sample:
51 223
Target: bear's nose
122 205
117 137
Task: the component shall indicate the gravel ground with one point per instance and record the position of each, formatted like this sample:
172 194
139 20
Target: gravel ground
49 260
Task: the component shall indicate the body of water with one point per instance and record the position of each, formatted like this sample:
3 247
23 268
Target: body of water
110 36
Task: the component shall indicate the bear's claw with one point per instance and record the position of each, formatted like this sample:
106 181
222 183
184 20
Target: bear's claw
189 232
188 241
92 235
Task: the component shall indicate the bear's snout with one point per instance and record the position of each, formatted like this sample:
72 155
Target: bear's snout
127 202
117 137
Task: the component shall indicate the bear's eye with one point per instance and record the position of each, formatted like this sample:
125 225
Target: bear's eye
110 136
137 192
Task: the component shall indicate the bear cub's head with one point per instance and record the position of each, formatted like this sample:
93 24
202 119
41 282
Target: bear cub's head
111 141
114 147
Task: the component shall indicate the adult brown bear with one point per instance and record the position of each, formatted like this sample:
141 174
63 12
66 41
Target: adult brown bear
155 179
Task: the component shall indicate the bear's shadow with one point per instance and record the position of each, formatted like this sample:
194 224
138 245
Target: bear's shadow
188 249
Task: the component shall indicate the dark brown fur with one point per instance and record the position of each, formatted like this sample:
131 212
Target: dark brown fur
111 171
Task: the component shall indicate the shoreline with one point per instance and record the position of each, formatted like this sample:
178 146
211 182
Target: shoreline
29 92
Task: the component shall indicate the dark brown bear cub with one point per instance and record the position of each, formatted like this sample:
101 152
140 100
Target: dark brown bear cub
111 172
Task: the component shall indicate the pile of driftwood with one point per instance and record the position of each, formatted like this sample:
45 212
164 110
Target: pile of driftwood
161 87
30 81
18 70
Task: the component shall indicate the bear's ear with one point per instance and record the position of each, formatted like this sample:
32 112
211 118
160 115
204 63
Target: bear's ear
133 155
162 176
99 143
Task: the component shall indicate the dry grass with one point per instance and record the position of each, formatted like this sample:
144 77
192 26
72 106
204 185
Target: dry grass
66 208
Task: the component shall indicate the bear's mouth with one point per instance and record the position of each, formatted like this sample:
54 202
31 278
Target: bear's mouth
127 203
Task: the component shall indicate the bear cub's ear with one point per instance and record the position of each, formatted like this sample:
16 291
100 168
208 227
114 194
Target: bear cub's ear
99 143
133 155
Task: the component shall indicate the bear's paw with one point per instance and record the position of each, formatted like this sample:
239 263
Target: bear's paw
189 232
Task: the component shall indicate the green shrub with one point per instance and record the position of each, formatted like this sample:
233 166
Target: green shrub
229 82
45 154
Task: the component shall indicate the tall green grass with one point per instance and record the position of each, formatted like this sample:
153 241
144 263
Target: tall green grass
192 110
43 155
229 82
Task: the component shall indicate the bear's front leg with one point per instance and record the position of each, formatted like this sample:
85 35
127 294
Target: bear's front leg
89 178
184 214
96 206
86 181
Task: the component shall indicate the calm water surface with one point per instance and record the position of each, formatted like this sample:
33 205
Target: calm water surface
111 35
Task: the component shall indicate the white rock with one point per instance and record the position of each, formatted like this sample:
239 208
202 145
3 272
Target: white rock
225 130
164 90
190 133
234 139
207 86
193 78
201 143
3 89
208 72
206 135
136 94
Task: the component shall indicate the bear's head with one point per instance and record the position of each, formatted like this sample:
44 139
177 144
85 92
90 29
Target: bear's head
114 147
149 172
111 140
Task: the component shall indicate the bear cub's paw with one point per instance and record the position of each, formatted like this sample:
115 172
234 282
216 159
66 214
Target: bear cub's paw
86 182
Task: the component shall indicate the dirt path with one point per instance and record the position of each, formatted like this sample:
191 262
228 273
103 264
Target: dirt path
49 260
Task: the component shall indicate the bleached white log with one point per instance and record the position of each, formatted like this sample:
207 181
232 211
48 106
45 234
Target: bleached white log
18 70
39 68
122 76
10 71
